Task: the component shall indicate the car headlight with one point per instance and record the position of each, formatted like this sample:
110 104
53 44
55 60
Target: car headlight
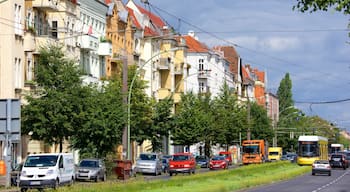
24 173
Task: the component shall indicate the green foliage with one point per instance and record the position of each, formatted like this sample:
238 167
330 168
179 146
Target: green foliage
284 93
50 116
324 5
101 121
140 109
187 121
230 118
163 122
260 123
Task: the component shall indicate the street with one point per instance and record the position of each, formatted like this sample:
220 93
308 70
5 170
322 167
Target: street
338 182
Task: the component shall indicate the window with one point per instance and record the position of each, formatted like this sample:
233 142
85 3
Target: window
29 71
18 17
201 65
17 73
54 29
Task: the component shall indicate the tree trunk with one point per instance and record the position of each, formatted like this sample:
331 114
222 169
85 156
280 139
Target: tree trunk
61 146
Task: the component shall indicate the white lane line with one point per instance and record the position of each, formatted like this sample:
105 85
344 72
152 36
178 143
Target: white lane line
331 183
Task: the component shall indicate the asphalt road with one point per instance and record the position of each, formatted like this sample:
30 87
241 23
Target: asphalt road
338 182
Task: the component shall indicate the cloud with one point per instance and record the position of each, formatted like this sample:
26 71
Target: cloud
280 43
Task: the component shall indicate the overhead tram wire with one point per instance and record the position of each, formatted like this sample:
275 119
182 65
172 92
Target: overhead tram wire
234 44
322 102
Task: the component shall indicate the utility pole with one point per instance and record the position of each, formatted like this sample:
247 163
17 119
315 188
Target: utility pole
125 138
248 114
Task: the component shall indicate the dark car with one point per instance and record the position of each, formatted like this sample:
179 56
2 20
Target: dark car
338 161
15 174
321 167
165 162
347 157
202 161
91 169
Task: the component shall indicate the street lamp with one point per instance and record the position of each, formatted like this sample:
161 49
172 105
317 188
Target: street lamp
137 72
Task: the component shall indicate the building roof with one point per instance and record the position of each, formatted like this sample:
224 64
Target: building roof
155 20
231 55
135 22
194 46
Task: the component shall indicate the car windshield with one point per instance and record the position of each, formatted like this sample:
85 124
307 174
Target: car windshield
273 153
321 162
41 161
218 158
180 157
148 157
88 163
164 161
201 158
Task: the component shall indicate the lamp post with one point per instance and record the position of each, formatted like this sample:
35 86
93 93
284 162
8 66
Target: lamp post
128 155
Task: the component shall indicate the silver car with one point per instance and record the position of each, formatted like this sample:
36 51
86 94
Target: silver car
149 163
91 169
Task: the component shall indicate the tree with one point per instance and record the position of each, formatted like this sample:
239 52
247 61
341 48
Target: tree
187 122
284 93
162 122
260 123
230 118
140 110
316 5
50 116
101 120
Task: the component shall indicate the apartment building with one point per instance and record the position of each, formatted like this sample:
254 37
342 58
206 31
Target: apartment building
93 48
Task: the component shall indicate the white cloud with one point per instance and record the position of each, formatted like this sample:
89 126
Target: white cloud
280 43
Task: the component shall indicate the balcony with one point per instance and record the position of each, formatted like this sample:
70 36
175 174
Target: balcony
104 49
203 90
29 42
178 70
164 64
88 42
204 74
46 5
163 93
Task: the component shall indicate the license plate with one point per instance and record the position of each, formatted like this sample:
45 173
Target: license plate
35 183
83 174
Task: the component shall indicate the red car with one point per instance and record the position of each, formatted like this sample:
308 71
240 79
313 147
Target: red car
227 155
218 162
182 163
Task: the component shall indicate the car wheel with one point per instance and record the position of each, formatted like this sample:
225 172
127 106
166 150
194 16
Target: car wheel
313 173
56 184
194 171
24 189
329 174
104 178
170 174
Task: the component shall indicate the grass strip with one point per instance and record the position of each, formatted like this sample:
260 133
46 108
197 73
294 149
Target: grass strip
228 180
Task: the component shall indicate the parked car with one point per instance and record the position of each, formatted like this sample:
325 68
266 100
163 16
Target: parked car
338 160
15 174
218 162
182 163
321 167
91 169
227 155
202 161
165 162
149 163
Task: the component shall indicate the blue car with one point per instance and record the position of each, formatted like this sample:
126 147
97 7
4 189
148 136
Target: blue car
202 161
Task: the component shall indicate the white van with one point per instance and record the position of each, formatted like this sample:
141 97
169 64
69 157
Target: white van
47 170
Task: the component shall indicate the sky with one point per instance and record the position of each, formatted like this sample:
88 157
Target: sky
314 48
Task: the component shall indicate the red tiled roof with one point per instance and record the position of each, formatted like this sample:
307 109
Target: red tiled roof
149 32
230 54
135 22
260 75
194 45
155 19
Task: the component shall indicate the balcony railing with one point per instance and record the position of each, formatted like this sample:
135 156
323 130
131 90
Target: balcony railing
88 42
164 64
105 49
47 5
204 74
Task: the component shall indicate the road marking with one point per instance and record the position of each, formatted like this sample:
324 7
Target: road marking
331 183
